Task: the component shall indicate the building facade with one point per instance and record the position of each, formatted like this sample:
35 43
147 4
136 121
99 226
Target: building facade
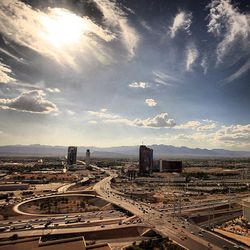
145 160
170 166
72 153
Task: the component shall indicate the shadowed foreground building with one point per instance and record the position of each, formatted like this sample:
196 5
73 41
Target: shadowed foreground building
72 153
145 160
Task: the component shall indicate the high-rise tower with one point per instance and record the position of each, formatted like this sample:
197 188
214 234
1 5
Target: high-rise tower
71 159
145 160
87 158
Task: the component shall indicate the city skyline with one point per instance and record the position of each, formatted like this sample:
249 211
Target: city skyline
113 73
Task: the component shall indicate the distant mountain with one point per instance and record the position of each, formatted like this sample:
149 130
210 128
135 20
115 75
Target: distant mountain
168 150
118 152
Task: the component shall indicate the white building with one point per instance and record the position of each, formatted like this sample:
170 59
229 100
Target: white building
246 208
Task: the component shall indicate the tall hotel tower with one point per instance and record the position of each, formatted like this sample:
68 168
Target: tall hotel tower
145 160
71 159
87 158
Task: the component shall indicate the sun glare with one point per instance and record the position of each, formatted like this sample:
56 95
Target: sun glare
61 27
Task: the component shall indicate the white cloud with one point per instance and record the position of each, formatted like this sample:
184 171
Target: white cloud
103 114
189 125
114 16
235 135
151 102
33 101
182 21
192 55
239 134
5 72
92 122
53 90
141 85
194 137
227 23
205 125
47 32
70 112
159 121
103 110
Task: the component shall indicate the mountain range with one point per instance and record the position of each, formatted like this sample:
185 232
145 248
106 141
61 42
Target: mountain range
161 150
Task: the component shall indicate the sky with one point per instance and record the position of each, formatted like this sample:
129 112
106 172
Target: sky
122 72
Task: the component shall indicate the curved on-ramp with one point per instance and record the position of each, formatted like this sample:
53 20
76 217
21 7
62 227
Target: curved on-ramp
17 209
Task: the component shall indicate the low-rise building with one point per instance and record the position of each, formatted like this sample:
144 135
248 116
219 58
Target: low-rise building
168 166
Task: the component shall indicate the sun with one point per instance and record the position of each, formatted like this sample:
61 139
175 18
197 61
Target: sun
62 28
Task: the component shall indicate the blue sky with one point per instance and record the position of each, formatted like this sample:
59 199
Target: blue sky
110 73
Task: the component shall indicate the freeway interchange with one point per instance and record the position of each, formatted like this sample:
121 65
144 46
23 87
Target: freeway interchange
165 223
184 233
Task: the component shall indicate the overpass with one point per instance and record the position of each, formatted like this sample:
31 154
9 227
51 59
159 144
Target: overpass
187 235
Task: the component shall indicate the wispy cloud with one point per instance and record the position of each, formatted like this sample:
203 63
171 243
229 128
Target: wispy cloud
228 24
182 21
164 78
18 59
204 64
191 56
141 85
33 101
70 112
53 90
114 16
145 25
151 102
5 74
104 114
243 69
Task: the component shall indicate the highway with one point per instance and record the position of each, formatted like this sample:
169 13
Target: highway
65 187
69 229
187 235
87 217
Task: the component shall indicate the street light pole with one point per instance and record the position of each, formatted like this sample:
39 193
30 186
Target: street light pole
174 204
180 206
229 198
